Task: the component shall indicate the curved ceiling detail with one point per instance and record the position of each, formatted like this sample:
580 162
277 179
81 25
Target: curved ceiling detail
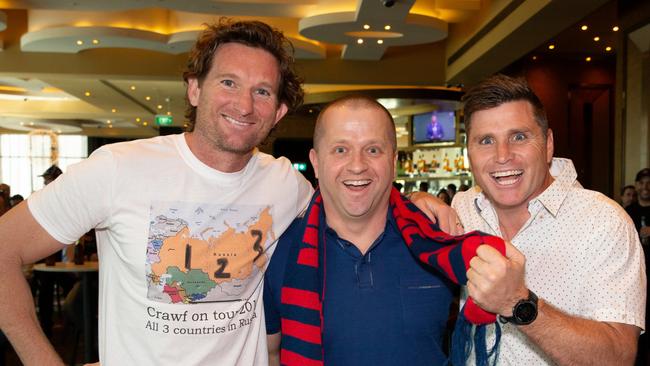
372 28
77 39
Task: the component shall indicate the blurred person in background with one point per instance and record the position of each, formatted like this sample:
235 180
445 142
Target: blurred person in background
628 196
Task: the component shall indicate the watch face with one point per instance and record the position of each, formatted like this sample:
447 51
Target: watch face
526 312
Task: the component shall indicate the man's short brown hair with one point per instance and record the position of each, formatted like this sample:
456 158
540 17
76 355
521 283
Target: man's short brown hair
497 90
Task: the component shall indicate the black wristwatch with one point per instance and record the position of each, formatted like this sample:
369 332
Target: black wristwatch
524 312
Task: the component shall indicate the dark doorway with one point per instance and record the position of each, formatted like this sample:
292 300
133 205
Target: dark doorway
590 135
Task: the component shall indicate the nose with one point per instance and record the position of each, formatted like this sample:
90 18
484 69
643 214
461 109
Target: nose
358 163
244 103
502 152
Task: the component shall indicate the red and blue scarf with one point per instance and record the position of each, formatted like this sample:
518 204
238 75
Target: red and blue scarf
303 289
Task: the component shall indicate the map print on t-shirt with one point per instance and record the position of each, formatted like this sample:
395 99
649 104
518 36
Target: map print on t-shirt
205 253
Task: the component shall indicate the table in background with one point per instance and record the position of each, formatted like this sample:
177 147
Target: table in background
83 270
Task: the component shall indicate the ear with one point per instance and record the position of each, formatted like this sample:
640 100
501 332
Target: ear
193 91
313 158
282 110
549 146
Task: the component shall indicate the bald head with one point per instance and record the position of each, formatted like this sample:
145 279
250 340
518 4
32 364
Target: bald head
355 101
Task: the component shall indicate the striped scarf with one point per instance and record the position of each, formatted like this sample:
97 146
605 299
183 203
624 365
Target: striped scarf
303 289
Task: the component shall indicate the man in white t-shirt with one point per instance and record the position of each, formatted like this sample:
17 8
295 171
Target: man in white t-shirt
185 223
571 288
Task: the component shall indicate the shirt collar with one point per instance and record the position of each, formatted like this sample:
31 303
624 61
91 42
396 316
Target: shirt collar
564 173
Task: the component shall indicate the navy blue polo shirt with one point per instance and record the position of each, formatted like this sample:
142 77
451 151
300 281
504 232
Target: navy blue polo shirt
380 308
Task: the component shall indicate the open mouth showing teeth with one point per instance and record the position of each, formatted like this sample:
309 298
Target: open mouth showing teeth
236 122
356 183
507 177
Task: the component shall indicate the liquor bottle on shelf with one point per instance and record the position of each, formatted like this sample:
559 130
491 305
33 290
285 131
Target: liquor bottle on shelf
445 164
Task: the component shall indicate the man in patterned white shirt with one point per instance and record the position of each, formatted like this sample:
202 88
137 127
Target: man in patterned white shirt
571 288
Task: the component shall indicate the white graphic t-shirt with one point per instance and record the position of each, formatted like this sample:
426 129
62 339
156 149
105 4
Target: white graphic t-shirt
182 248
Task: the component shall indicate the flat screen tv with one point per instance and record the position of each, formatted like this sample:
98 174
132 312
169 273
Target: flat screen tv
437 128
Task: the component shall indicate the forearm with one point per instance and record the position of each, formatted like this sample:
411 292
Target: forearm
570 340
273 342
18 318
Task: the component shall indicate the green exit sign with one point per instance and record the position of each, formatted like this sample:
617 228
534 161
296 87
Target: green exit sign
164 120
301 167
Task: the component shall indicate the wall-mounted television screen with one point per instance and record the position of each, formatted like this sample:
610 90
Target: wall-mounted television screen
434 128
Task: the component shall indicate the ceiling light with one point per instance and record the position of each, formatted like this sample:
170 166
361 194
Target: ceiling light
147 98
132 87
95 41
584 27
110 126
366 26
169 113
108 121
145 123
87 93
159 106
596 38
113 110
608 48
31 123
22 123
551 46
588 59
534 57
387 27
380 41
79 42
615 28
137 119
360 41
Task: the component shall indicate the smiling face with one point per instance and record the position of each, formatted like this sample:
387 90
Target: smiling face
509 155
628 197
237 102
354 160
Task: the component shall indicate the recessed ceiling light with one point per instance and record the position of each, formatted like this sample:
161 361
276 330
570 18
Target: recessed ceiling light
145 123
608 48
113 110
380 41
615 28
360 41
87 93
108 121
366 26
534 57
95 41
551 46
159 106
387 27
169 113
132 87
147 98
79 42
137 119
588 59
596 39
584 27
